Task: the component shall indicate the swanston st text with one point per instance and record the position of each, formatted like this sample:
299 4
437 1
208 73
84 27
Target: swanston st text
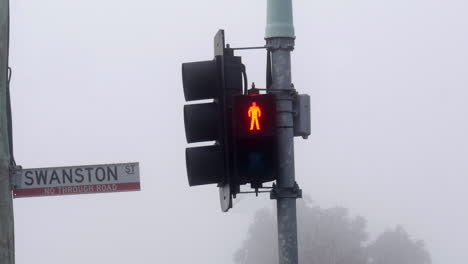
62 176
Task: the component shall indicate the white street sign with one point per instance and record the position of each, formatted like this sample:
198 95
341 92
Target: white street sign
77 180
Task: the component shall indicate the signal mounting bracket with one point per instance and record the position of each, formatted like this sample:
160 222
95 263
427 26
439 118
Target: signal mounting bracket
245 48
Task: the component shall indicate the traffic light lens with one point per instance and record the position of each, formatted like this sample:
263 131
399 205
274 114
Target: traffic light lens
200 80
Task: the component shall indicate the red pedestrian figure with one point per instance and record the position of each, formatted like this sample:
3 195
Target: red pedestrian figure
254 114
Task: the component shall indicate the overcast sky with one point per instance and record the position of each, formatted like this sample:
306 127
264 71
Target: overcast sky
99 81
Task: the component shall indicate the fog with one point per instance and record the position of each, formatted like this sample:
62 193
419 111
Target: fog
100 82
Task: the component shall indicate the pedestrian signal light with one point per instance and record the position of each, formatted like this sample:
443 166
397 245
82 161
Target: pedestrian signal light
254 113
254 139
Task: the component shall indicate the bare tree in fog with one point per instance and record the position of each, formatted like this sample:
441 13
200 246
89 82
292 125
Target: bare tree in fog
396 246
329 236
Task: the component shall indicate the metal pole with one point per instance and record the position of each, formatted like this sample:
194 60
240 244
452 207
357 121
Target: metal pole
7 249
280 42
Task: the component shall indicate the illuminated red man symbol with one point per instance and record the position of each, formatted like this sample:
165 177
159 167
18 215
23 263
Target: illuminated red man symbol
254 114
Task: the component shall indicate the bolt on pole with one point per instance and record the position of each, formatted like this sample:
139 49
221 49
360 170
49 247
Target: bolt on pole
7 249
280 37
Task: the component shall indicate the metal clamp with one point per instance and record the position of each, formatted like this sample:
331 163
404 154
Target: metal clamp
280 43
14 169
294 192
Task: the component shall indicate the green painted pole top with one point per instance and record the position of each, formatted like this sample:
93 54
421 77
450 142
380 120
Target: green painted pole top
279 19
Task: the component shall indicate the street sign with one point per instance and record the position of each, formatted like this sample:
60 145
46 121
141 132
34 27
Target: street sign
77 180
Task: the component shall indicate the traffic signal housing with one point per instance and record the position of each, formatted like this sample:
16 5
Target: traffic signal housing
204 121
207 122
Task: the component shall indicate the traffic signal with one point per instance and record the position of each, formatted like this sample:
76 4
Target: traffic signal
203 122
242 126
218 79
254 142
